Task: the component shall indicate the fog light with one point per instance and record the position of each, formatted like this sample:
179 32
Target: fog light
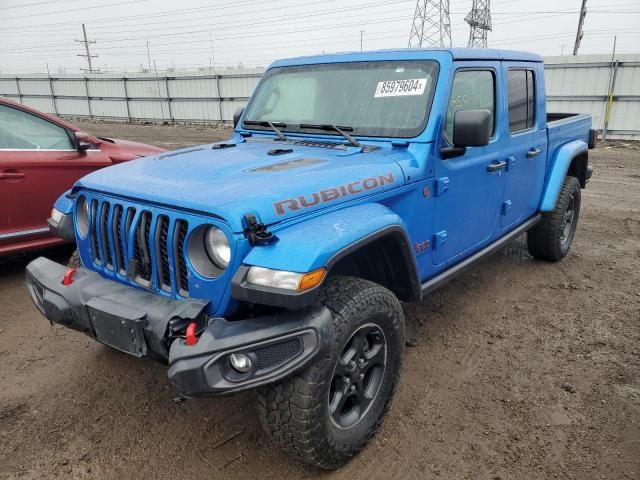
240 362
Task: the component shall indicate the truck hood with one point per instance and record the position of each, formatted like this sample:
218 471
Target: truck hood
274 180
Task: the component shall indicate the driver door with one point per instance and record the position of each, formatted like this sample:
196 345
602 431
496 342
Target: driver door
38 162
469 188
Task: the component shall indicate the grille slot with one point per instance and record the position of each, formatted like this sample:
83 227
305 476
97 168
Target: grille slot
149 250
119 245
104 235
181 264
162 252
97 258
141 251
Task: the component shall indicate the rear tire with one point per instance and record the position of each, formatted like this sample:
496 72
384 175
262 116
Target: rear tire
326 414
74 260
551 238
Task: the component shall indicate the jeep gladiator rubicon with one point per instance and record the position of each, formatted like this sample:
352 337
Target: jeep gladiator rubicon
277 260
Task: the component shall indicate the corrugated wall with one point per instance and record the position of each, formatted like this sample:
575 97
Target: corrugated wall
193 97
587 83
579 84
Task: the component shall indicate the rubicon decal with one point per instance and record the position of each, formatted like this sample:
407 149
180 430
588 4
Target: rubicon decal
331 194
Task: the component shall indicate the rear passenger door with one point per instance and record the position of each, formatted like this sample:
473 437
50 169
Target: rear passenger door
468 193
526 144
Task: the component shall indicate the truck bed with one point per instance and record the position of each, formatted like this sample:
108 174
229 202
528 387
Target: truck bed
566 127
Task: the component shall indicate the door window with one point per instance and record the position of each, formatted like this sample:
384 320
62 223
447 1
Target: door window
521 99
471 90
22 131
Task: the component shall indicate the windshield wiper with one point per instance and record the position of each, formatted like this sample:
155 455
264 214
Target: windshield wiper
329 127
273 125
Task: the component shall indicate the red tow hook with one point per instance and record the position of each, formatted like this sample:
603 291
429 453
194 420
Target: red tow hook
68 277
190 337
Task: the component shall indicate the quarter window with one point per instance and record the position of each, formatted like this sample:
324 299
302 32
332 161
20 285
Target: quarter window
521 99
471 90
22 131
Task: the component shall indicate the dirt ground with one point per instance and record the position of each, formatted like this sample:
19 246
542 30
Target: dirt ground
520 370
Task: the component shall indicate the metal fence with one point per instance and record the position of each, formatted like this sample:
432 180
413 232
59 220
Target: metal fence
193 97
608 90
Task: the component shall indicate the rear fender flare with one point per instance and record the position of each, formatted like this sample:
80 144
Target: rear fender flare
558 171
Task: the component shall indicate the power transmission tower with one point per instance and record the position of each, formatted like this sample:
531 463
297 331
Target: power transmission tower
479 19
88 55
583 13
431 24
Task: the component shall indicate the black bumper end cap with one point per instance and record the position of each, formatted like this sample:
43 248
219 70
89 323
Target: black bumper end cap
63 228
203 369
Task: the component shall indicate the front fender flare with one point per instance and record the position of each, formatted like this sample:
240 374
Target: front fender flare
320 242
558 171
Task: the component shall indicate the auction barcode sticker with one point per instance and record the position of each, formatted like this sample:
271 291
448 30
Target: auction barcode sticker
400 88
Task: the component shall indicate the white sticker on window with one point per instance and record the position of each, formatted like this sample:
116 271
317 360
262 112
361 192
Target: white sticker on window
401 88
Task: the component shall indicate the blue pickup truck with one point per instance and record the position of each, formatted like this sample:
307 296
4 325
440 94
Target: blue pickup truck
278 260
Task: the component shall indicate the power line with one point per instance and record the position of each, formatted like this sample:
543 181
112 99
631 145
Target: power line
74 10
224 37
263 21
48 2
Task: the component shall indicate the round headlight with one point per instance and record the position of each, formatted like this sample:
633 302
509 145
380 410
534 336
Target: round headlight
217 247
82 216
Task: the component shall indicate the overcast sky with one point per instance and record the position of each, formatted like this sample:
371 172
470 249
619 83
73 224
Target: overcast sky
187 34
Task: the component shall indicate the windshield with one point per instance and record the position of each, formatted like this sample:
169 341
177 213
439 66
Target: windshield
379 99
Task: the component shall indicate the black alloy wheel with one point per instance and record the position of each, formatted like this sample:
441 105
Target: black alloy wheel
357 376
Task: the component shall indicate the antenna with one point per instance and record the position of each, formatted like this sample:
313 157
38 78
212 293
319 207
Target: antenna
88 55
479 19
431 24
579 33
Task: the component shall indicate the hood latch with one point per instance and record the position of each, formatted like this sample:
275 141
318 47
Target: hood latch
257 233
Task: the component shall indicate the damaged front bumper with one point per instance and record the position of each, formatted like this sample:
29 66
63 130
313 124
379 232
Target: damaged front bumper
142 323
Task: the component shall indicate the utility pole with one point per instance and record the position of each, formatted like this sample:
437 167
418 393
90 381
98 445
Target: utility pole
212 59
479 19
431 24
579 33
148 56
88 55
361 32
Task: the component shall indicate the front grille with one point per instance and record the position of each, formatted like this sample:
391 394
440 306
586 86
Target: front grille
149 250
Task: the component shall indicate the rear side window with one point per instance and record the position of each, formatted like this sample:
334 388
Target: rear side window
471 90
521 99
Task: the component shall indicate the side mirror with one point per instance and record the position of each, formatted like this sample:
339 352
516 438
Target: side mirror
471 128
236 116
83 141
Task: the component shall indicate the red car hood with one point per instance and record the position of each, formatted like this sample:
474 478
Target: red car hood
123 150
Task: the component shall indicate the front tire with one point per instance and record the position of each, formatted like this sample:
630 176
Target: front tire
326 414
551 238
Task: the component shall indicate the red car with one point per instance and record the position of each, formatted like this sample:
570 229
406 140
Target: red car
41 156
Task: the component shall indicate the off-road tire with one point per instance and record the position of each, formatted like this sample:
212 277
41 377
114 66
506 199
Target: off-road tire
547 240
74 260
295 412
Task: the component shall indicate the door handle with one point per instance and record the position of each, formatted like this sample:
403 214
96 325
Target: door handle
11 175
533 152
495 166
